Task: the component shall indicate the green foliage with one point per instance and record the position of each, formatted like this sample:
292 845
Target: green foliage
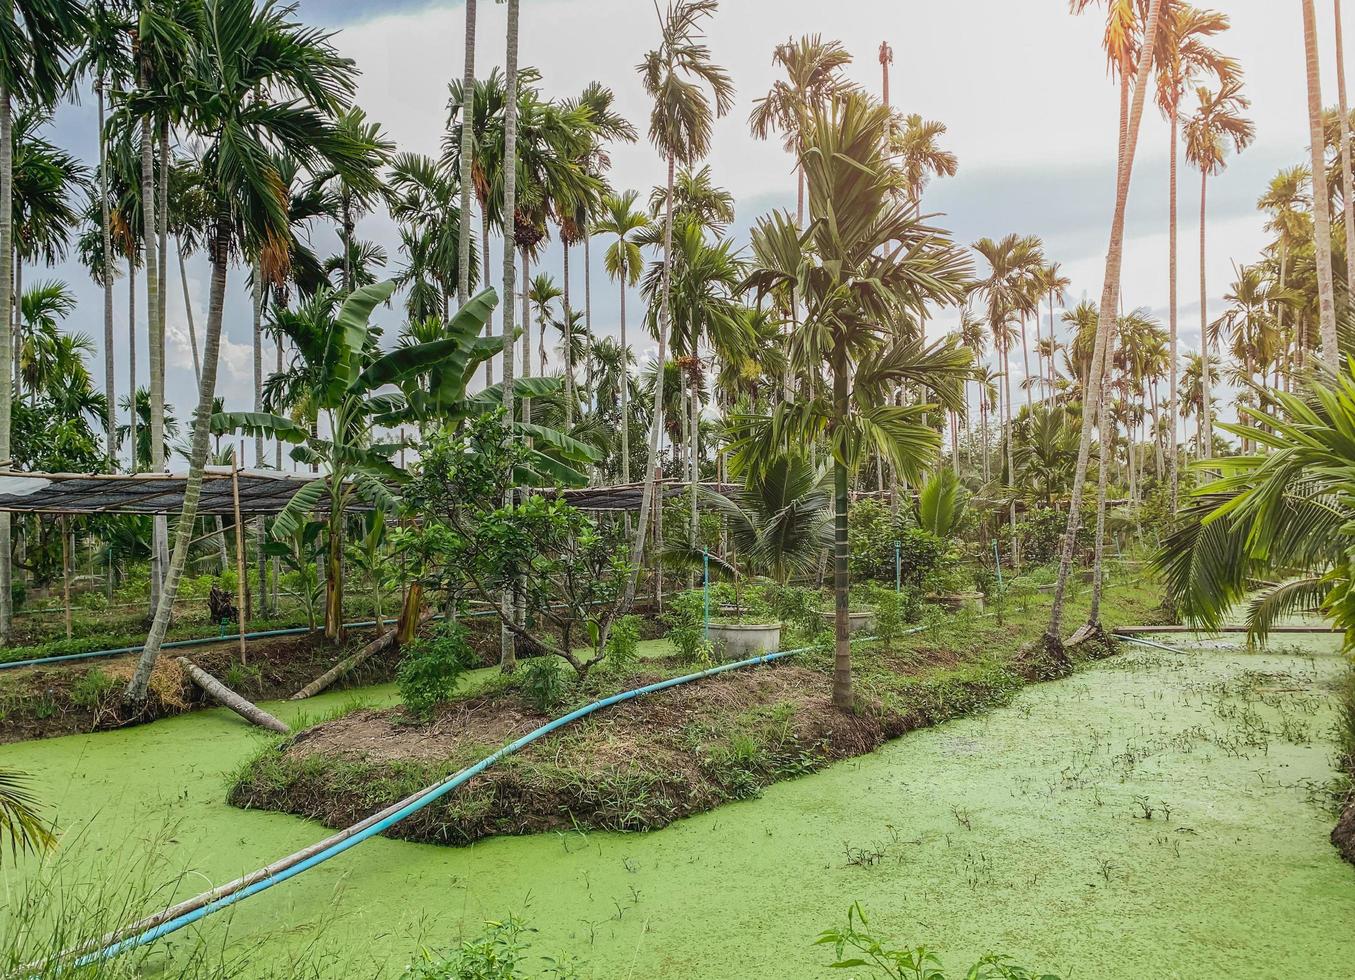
94 688
543 683
1041 530
500 952
856 947
871 533
685 619
623 645
431 669
893 611
796 607
941 503
1345 720
238 676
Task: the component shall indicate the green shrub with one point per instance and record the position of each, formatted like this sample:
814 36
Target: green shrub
798 608
1041 530
500 952
241 675
543 683
685 619
431 669
94 688
856 947
623 645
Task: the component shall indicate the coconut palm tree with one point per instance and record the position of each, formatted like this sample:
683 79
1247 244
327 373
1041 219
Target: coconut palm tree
676 76
1182 56
1321 201
1052 640
624 265
1215 128
870 267
814 73
257 84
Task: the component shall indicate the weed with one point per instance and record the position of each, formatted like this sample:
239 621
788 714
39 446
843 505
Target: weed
92 690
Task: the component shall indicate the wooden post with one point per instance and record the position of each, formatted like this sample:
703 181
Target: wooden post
66 570
242 587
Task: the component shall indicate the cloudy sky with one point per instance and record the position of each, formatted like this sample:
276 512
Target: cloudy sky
1022 87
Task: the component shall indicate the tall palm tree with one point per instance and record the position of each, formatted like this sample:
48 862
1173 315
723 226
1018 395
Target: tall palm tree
38 39
1287 203
1054 285
104 57
544 293
1052 640
507 647
871 267
257 84
676 75
624 264
919 156
1326 301
814 73
1215 128
1347 183
1181 56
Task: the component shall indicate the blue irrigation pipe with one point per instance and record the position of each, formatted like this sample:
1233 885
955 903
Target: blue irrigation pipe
433 793
1148 643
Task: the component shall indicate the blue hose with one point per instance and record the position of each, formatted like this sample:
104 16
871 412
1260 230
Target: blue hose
434 792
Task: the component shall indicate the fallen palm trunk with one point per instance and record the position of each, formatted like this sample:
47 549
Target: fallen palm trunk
383 642
245 709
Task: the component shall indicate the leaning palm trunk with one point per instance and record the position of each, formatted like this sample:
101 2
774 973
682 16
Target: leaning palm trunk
1106 315
106 230
154 341
625 385
1321 203
188 316
1207 419
507 647
6 342
197 461
131 360
637 552
1174 408
1347 191
1105 436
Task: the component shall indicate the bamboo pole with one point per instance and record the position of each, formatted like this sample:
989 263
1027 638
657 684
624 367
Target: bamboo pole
245 709
66 571
242 584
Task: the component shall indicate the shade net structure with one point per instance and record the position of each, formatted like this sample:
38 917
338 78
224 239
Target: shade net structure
261 492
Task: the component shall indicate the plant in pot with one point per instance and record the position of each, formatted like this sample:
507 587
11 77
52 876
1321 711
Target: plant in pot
776 525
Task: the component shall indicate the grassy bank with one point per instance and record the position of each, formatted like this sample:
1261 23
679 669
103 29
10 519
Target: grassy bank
642 764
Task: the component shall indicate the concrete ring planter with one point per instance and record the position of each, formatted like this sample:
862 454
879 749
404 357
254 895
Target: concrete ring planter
740 641
959 600
858 620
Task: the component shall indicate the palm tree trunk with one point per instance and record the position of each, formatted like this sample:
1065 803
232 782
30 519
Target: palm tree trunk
1207 415
842 651
1025 364
1106 315
526 331
484 261
131 358
155 347
656 423
507 647
1106 438
588 319
137 687
105 219
257 330
694 403
1174 407
1321 203
6 344
625 394
569 336
188 314
467 151
1347 191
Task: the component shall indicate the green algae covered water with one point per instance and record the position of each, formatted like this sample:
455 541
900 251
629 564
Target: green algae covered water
1156 815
